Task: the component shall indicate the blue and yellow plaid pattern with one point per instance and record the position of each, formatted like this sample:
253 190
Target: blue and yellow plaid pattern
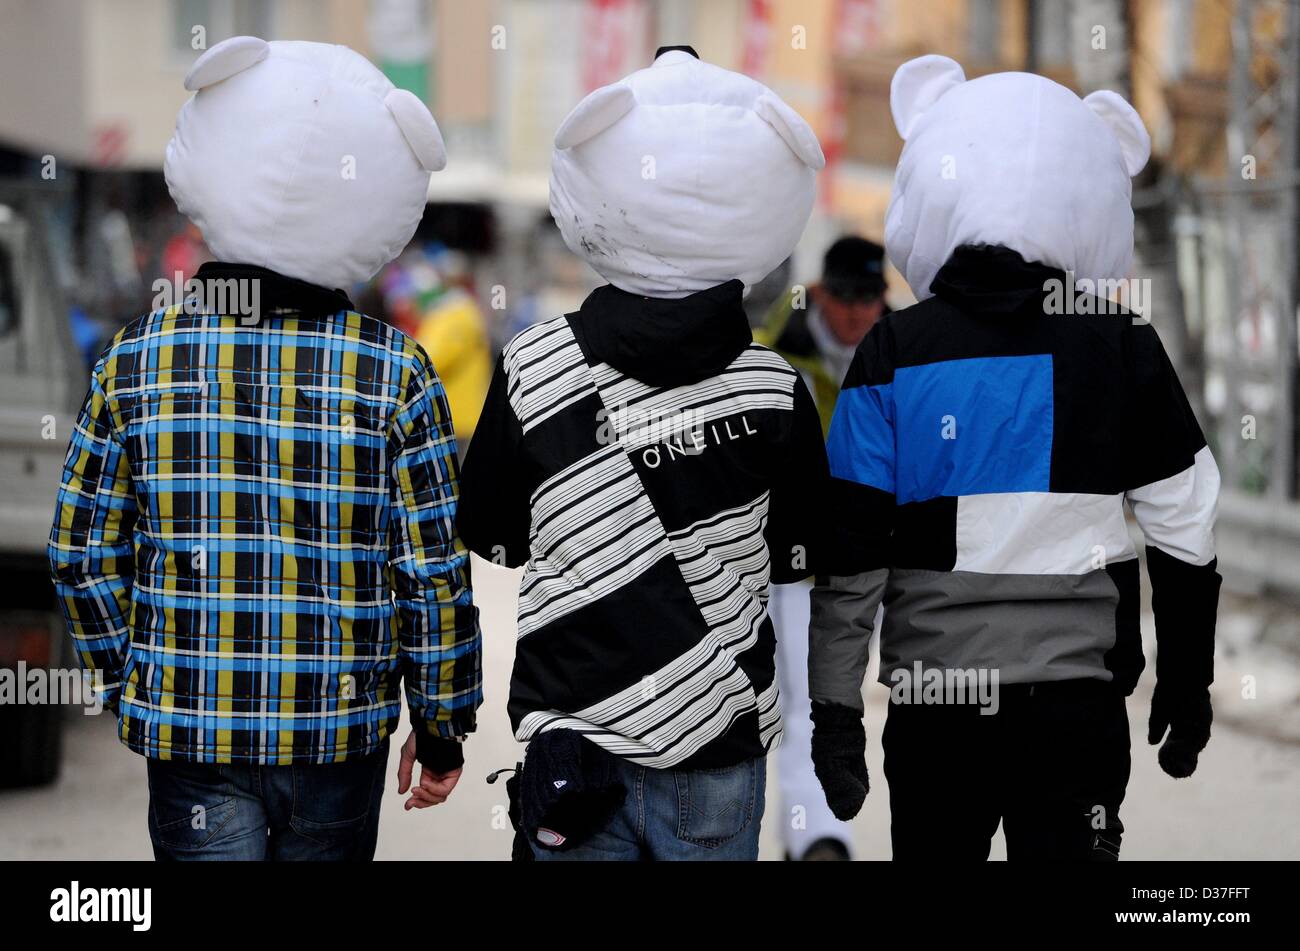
254 539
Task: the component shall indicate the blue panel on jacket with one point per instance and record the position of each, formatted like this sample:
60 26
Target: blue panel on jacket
998 413
860 444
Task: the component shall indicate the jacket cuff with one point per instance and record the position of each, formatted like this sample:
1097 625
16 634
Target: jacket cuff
836 718
1185 602
440 754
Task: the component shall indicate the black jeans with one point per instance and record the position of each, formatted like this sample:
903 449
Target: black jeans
219 812
1052 765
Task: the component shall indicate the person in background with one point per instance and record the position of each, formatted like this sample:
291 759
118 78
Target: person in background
446 321
183 252
819 342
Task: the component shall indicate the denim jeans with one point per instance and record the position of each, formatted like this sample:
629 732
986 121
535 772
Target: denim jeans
674 815
201 811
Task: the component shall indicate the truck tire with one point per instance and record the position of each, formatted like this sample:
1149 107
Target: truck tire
31 734
31 740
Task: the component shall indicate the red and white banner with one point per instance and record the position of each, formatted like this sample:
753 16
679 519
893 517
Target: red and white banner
757 38
855 28
615 33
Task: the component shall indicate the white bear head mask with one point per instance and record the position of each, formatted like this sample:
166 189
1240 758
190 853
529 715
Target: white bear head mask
683 176
1011 159
302 158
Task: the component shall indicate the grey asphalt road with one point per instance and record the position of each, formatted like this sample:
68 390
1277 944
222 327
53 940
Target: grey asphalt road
1242 802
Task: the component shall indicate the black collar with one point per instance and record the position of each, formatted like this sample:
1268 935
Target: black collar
664 342
278 292
667 49
991 279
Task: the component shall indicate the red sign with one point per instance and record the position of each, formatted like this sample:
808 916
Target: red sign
108 148
615 31
758 38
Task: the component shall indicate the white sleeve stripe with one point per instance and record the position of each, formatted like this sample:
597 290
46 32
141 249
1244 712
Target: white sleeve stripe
1177 514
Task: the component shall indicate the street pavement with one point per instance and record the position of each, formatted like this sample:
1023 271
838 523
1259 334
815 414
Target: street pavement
1242 803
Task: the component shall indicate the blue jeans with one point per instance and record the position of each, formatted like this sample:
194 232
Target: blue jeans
203 812
674 815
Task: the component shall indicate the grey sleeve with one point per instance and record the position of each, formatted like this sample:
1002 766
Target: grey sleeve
839 636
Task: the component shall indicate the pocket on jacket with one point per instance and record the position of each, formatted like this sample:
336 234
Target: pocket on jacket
715 805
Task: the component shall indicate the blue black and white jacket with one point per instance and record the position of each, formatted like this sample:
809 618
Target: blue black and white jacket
982 453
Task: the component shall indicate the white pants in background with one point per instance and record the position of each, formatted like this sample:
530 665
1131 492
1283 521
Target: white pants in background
804 815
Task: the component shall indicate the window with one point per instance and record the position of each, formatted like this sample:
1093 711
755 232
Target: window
220 19
8 291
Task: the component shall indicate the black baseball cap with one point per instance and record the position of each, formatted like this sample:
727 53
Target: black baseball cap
854 269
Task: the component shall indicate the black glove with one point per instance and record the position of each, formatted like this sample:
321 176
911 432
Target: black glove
1186 714
839 751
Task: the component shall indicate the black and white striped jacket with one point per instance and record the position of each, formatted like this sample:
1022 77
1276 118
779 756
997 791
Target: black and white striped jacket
642 457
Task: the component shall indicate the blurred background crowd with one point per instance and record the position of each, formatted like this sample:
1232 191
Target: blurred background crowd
92 90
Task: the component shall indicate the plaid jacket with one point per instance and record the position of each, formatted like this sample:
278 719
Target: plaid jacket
254 537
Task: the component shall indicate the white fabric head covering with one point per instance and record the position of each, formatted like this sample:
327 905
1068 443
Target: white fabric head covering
302 158
1012 159
682 176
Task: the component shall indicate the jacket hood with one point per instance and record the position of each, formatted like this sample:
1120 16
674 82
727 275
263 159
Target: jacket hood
276 291
665 342
993 281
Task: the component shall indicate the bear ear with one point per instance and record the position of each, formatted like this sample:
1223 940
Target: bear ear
1123 120
224 60
791 127
596 113
418 128
917 85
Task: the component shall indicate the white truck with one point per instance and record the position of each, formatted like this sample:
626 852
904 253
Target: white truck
42 381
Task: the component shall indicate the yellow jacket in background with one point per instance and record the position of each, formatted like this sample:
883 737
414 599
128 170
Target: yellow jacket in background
453 335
